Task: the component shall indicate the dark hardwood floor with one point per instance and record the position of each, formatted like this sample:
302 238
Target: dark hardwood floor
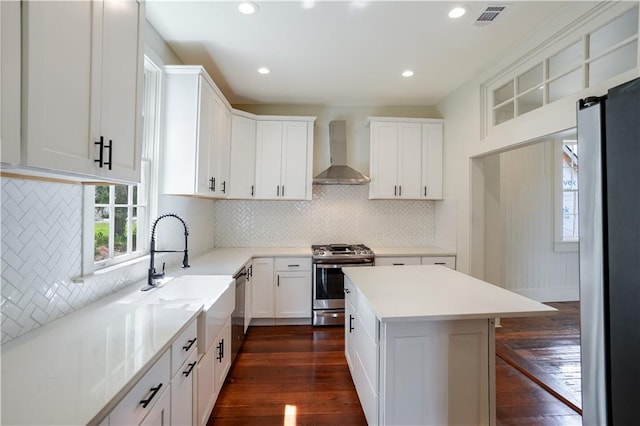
547 349
302 371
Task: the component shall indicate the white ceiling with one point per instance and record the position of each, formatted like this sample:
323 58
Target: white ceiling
341 52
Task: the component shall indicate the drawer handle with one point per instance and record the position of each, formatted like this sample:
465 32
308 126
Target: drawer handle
189 370
350 323
439 263
293 266
189 344
398 264
154 391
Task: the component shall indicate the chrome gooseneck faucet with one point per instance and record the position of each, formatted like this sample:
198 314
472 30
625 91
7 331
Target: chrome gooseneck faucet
153 275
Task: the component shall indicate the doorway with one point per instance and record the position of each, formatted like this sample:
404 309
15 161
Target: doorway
530 246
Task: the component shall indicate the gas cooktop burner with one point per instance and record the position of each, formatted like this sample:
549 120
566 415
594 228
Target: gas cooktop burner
340 250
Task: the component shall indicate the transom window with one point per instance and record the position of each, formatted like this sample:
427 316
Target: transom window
597 57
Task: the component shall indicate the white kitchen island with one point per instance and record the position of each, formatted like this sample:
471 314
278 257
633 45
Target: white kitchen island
419 342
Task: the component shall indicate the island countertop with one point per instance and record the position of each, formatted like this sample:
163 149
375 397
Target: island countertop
427 292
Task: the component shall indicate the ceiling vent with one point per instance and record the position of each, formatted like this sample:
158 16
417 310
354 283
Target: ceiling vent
489 14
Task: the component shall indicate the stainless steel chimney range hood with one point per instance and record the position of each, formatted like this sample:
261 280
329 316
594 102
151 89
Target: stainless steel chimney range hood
339 173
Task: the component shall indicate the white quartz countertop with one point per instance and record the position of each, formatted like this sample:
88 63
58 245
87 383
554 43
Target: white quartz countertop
228 261
426 292
76 369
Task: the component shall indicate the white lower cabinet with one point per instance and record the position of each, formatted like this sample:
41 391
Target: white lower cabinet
161 413
206 386
293 287
262 287
419 372
223 356
183 392
141 400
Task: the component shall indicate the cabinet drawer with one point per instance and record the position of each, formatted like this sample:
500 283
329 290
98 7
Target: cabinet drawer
448 261
146 392
389 261
293 264
184 344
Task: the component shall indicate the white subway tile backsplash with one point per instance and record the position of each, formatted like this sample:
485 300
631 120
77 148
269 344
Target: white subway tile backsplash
337 213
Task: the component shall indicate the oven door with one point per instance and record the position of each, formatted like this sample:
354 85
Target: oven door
328 284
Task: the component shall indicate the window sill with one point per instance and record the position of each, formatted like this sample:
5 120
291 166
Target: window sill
566 246
111 268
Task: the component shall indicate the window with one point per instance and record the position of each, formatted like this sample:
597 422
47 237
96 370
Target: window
602 54
567 216
117 217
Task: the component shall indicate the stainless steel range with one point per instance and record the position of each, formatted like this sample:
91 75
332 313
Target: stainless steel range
328 279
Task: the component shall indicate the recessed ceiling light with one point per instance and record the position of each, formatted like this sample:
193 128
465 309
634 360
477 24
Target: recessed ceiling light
457 12
248 7
407 73
264 70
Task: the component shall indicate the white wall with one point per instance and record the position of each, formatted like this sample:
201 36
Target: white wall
519 241
463 179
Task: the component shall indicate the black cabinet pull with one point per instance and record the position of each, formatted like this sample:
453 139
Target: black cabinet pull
439 263
278 191
213 184
189 370
154 391
210 184
400 191
110 148
278 281
395 190
283 190
293 266
425 191
189 344
100 159
224 186
252 190
398 264
350 323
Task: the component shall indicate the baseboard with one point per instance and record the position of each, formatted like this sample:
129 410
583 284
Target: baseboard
561 294
280 321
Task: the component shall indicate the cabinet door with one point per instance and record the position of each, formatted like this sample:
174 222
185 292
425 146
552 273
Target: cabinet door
409 160
219 147
294 161
349 324
268 159
293 295
205 180
10 82
243 158
182 392
160 414
384 160
432 134
120 88
206 385
223 356
248 297
57 84
262 286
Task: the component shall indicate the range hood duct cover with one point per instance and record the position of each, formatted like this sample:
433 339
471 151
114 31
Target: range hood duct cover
339 173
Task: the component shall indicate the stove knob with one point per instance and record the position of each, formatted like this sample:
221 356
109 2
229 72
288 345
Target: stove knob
321 252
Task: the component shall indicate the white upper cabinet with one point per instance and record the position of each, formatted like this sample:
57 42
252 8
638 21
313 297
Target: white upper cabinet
406 158
284 150
10 82
197 134
81 78
242 174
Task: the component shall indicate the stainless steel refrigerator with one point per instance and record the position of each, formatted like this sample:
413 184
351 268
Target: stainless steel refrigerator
609 210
